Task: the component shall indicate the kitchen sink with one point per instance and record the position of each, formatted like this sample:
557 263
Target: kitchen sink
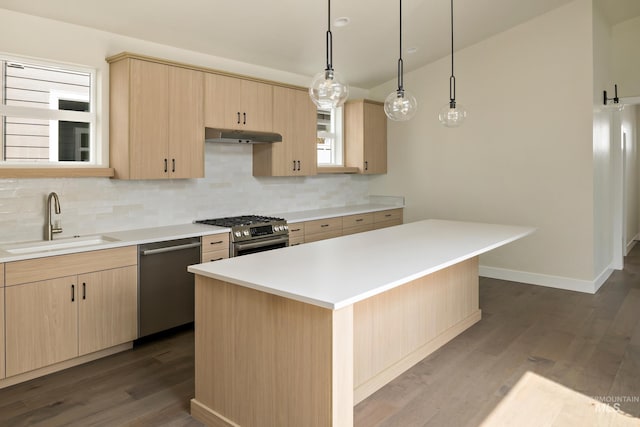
55 245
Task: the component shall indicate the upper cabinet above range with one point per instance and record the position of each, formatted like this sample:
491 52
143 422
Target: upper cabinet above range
235 103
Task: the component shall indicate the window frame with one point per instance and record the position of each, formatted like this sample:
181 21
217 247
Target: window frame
93 167
337 144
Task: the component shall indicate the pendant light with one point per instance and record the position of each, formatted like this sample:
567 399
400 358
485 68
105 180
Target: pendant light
400 105
327 89
452 114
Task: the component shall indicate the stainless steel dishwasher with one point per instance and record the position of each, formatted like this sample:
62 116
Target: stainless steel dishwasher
166 288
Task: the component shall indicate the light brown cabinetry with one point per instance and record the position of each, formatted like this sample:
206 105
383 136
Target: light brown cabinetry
296 233
235 103
2 374
388 218
294 117
107 309
359 223
156 120
62 307
322 229
215 247
365 136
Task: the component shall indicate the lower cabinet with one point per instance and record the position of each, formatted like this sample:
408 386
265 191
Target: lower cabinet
90 304
107 309
2 374
320 229
215 247
56 320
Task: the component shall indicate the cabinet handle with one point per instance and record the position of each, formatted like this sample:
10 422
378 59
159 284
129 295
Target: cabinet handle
387 215
217 259
294 165
366 165
359 219
295 229
238 117
324 225
244 118
173 165
298 164
165 165
216 243
73 293
84 290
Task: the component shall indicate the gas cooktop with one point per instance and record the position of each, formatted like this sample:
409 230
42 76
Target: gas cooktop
243 220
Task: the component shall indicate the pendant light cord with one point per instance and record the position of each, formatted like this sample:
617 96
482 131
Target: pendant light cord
329 40
400 63
452 79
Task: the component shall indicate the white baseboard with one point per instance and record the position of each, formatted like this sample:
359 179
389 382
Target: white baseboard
632 243
558 282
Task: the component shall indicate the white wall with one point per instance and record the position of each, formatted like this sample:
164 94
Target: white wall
93 205
631 176
607 190
626 57
525 154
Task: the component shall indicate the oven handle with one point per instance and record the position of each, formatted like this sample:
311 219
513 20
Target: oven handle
265 242
170 249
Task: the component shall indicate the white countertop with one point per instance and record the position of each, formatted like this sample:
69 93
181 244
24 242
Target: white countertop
338 272
117 239
310 215
180 231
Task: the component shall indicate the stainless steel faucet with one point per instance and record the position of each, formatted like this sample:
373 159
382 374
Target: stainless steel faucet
49 229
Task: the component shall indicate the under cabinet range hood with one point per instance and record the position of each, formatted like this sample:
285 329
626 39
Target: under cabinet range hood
232 136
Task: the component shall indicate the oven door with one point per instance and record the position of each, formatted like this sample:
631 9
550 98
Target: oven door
259 245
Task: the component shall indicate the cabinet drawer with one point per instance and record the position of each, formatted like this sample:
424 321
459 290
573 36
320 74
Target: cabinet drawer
357 220
389 215
37 269
357 229
296 231
215 255
328 225
215 242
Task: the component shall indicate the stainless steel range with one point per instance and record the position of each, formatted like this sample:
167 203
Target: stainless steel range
253 233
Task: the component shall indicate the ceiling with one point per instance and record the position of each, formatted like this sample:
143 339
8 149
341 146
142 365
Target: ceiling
290 34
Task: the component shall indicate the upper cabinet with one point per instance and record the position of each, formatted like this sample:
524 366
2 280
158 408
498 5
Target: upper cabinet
365 136
156 120
294 117
234 103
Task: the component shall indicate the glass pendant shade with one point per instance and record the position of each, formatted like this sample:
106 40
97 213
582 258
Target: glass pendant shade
400 105
328 90
452 116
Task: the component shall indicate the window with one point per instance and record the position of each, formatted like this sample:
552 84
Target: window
47 113
329 124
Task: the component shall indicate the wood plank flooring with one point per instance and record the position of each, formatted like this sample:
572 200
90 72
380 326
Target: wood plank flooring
589 343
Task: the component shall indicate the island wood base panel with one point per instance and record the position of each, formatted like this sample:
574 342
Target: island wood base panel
265 360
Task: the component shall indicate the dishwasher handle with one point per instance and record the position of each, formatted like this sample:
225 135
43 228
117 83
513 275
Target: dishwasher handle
170 249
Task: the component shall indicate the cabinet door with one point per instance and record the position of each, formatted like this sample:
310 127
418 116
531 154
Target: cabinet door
41 324
234 103
186 123
108 308
2 321
375 139
304 133
256 106
294 117
149 115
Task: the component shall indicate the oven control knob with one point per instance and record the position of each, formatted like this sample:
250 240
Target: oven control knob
237 233
245 232
286 227
278 228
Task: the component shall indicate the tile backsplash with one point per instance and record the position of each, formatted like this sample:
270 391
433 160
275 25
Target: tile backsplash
96 205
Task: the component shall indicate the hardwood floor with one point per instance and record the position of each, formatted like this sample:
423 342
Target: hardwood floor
589 343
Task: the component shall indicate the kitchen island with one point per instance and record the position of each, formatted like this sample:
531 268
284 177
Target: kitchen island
298 336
